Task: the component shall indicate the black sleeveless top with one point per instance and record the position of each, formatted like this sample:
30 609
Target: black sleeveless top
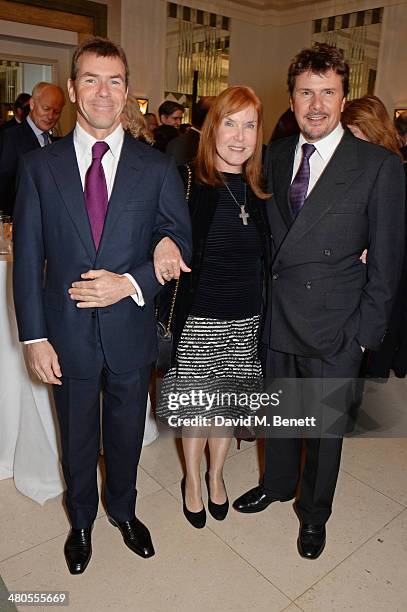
230 280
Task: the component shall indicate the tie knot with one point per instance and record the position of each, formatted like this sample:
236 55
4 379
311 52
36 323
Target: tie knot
307 150
99 149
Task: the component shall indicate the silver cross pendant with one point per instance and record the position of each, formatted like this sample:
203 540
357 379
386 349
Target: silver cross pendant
244 215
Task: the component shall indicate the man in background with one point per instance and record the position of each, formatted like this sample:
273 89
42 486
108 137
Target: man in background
46 105
21 108
185 148
171 113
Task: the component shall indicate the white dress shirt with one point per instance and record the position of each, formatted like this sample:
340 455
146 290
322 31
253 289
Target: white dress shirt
83 143
318 161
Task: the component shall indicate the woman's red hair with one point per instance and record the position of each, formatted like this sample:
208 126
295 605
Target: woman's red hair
371 117
230 101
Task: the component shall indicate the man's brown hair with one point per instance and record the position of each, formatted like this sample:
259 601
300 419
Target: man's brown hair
102 47
319 59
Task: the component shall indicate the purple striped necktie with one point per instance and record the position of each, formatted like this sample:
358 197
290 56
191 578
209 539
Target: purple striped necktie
95 192
299 186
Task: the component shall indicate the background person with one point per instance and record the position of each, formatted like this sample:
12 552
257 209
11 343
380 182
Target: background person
218 305
367 118
185 148
171 113
21 108
401 127
133 121
46 104
151 121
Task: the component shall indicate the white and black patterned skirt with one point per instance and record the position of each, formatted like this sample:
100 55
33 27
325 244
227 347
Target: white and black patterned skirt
217 367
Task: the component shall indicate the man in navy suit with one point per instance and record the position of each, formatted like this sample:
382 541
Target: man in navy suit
91 206
46 104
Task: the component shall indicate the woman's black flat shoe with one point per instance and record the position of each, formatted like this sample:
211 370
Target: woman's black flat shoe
218 511
197 519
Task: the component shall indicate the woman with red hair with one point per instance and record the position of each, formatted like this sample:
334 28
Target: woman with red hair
368 119
218 305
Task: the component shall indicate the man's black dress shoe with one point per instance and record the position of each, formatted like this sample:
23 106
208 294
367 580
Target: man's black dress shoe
197 519
136 536
78 550
256 500
311 540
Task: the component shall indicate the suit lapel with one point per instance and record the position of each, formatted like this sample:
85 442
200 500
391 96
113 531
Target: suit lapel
31 141
128 174
64 168
342 170
282 169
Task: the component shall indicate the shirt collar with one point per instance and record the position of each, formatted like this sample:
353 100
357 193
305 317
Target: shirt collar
34 128
326 146
85 141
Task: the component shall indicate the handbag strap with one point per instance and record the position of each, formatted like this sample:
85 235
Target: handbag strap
187 196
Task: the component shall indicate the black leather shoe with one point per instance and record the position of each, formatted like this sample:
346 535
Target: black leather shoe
311 540
218 511
255 500
136 536
197 519
78 550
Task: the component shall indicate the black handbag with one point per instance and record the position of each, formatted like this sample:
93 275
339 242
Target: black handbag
164 332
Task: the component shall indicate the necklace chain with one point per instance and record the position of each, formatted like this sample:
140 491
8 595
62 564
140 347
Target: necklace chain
243 214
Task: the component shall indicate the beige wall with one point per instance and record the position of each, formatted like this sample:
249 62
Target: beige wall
259 57
22 42
279 45
259 54
143 27
391 84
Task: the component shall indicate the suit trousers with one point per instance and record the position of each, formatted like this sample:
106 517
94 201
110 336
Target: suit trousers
322 454
123 417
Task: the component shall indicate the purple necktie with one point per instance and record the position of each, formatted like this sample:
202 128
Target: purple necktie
96 191
299 186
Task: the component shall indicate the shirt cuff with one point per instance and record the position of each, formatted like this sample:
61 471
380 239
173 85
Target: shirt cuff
34 341
138 295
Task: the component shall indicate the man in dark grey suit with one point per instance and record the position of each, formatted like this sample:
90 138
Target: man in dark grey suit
332 197
46 104
91 206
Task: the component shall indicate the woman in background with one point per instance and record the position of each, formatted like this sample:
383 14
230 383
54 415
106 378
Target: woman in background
367 118
133 122
218 305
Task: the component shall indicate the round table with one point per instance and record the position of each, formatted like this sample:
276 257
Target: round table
28 425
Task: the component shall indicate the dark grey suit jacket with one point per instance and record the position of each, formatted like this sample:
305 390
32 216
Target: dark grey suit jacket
323 297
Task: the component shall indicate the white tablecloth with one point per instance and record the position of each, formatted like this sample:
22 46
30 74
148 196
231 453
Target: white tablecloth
28 440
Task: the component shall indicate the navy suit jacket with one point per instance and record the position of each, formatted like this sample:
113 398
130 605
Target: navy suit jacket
14 142
51 225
